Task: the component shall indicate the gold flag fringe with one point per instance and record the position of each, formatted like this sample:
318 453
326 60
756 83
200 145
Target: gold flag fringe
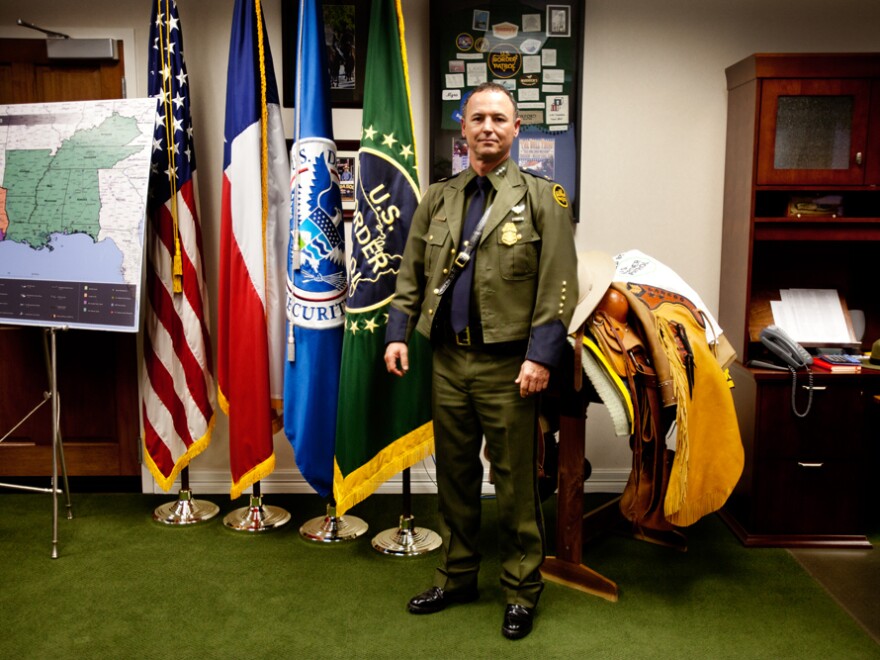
194 450
404 452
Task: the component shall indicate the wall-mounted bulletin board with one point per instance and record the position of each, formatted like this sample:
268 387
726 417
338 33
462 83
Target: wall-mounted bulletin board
532 47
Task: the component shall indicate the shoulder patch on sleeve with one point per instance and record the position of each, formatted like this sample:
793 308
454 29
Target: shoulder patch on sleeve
559 195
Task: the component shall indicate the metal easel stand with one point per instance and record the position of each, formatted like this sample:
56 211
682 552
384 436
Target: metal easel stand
185 510
50 352
332 528
256 517
407 540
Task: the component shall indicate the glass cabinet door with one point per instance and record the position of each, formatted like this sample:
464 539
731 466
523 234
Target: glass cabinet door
813 132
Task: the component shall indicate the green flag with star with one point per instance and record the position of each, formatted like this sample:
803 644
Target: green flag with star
383 422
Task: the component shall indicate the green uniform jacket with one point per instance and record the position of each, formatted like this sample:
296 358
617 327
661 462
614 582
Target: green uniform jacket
525 283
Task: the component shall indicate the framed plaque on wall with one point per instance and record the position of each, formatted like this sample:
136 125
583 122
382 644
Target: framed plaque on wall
346 27
533 48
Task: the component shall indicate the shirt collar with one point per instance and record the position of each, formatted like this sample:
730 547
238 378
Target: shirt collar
495 175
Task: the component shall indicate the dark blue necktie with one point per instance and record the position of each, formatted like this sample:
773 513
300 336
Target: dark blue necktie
461 292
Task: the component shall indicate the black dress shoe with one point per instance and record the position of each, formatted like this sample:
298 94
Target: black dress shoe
436 599
517 621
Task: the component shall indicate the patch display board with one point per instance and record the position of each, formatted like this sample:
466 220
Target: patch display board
532 47
73 195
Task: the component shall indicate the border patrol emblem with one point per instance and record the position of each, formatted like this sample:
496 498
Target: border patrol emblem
509 234
559 195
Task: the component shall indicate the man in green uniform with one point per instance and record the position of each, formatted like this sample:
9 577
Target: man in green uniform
489 275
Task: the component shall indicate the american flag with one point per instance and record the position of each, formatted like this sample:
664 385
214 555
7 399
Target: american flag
178 380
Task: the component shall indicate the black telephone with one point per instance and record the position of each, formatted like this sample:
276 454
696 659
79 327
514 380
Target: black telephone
785 348
793 355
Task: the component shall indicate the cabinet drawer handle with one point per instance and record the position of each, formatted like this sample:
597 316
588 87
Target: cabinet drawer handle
810 465
815 388
858 158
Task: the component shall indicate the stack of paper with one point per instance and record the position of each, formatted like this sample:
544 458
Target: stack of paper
812 316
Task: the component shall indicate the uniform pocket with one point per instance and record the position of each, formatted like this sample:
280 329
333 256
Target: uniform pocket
435 241
518 251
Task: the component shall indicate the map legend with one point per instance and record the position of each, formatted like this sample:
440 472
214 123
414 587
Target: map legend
75 304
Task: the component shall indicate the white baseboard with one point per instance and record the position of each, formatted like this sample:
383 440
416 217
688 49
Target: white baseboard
422 481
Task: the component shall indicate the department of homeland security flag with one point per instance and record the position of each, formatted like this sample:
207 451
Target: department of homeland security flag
384 422
253 238
316 280
178 379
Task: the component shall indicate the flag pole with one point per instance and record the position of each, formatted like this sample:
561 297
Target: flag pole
185 510
256 517
406 540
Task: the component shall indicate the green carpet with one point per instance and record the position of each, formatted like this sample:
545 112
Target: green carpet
127 587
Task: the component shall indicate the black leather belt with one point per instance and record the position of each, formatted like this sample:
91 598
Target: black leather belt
470 337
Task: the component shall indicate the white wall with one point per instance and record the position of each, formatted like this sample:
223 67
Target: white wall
653 132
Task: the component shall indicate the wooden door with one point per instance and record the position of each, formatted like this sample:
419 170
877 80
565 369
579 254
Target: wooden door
97 370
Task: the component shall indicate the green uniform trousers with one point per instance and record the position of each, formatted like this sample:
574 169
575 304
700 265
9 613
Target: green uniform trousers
474 394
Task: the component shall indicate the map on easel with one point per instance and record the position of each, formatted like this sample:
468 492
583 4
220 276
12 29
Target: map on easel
73 196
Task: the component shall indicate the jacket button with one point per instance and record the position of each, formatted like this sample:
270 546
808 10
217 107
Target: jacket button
430 312
445 271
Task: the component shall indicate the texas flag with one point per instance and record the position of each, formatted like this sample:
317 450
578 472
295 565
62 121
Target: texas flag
253 241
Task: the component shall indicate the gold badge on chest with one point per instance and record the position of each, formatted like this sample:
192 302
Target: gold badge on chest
509 235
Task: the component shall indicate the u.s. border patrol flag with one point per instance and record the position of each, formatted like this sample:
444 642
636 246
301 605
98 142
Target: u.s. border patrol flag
384 422
316 281
253 238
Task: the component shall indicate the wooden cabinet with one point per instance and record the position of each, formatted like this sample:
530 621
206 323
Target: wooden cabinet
801 128
813 131
805 481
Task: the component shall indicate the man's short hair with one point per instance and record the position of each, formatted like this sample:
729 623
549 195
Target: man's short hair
491 86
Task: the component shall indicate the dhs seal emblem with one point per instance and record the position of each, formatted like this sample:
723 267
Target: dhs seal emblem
316 278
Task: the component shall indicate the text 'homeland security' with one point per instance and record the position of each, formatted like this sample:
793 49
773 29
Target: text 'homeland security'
317 313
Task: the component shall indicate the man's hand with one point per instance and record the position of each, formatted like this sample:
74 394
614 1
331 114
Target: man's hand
533 377
397 351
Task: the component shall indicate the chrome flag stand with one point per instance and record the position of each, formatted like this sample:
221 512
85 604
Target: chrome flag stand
185 510
332 528
407 540
256 517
